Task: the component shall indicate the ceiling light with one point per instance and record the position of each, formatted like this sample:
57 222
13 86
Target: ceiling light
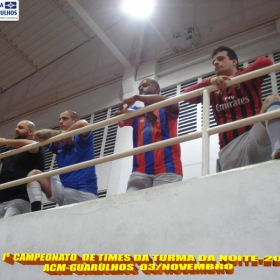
138 8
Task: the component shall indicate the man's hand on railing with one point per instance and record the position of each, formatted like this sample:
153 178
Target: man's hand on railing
119 112
152 118
219 81
2 141
128 102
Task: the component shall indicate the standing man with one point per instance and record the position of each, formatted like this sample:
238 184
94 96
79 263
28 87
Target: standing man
14 200
75 186
249 144
161 166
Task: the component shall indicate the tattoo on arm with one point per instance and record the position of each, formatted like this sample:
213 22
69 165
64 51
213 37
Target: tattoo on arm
45 134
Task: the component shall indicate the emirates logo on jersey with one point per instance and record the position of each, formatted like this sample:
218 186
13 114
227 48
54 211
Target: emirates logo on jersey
230 102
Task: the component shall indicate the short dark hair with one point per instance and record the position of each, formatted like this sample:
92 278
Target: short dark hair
230 52
73 114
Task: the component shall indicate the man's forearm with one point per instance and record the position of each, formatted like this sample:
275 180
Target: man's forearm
257 64
118 112
44 134
150 99
79 124
15 143
202 84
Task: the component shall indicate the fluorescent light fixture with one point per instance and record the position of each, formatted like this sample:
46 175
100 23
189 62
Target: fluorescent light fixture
138 8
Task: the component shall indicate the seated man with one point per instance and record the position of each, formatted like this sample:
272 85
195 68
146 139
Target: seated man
160 166
14 200
75 186
253 143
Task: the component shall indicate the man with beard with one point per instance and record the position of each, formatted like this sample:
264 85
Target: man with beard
161 166
15 200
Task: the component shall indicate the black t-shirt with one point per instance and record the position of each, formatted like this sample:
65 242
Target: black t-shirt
17 167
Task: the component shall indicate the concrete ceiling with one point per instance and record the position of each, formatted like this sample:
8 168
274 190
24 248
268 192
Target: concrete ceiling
48 30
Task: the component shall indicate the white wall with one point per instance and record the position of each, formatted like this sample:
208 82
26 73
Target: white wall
230 213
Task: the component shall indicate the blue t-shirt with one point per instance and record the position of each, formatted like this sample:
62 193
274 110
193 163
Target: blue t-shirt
81 150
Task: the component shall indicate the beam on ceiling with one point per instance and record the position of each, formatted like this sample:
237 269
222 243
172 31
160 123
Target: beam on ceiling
18 51
61 7
139 34
102 36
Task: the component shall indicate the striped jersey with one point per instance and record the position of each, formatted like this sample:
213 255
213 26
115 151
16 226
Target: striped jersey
163 160
237 102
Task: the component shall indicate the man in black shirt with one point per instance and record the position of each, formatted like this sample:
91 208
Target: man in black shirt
15 200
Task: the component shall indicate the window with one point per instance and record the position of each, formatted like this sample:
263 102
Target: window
276 57
188 113
111 134
266 85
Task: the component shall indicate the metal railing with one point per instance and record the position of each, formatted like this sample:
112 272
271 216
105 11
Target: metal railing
205 133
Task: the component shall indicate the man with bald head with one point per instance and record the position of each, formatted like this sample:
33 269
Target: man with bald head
163 165
15 200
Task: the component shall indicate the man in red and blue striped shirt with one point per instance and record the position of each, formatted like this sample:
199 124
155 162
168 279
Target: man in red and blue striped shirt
245 145
160 166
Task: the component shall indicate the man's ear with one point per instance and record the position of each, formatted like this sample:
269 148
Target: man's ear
157 90
234 62
30 132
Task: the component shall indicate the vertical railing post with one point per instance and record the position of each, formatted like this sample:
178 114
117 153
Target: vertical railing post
205 136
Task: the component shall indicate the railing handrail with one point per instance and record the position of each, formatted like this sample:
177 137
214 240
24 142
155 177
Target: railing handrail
131 114
169 142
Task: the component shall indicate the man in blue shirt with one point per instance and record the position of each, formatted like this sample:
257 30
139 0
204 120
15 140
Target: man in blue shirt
71 187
